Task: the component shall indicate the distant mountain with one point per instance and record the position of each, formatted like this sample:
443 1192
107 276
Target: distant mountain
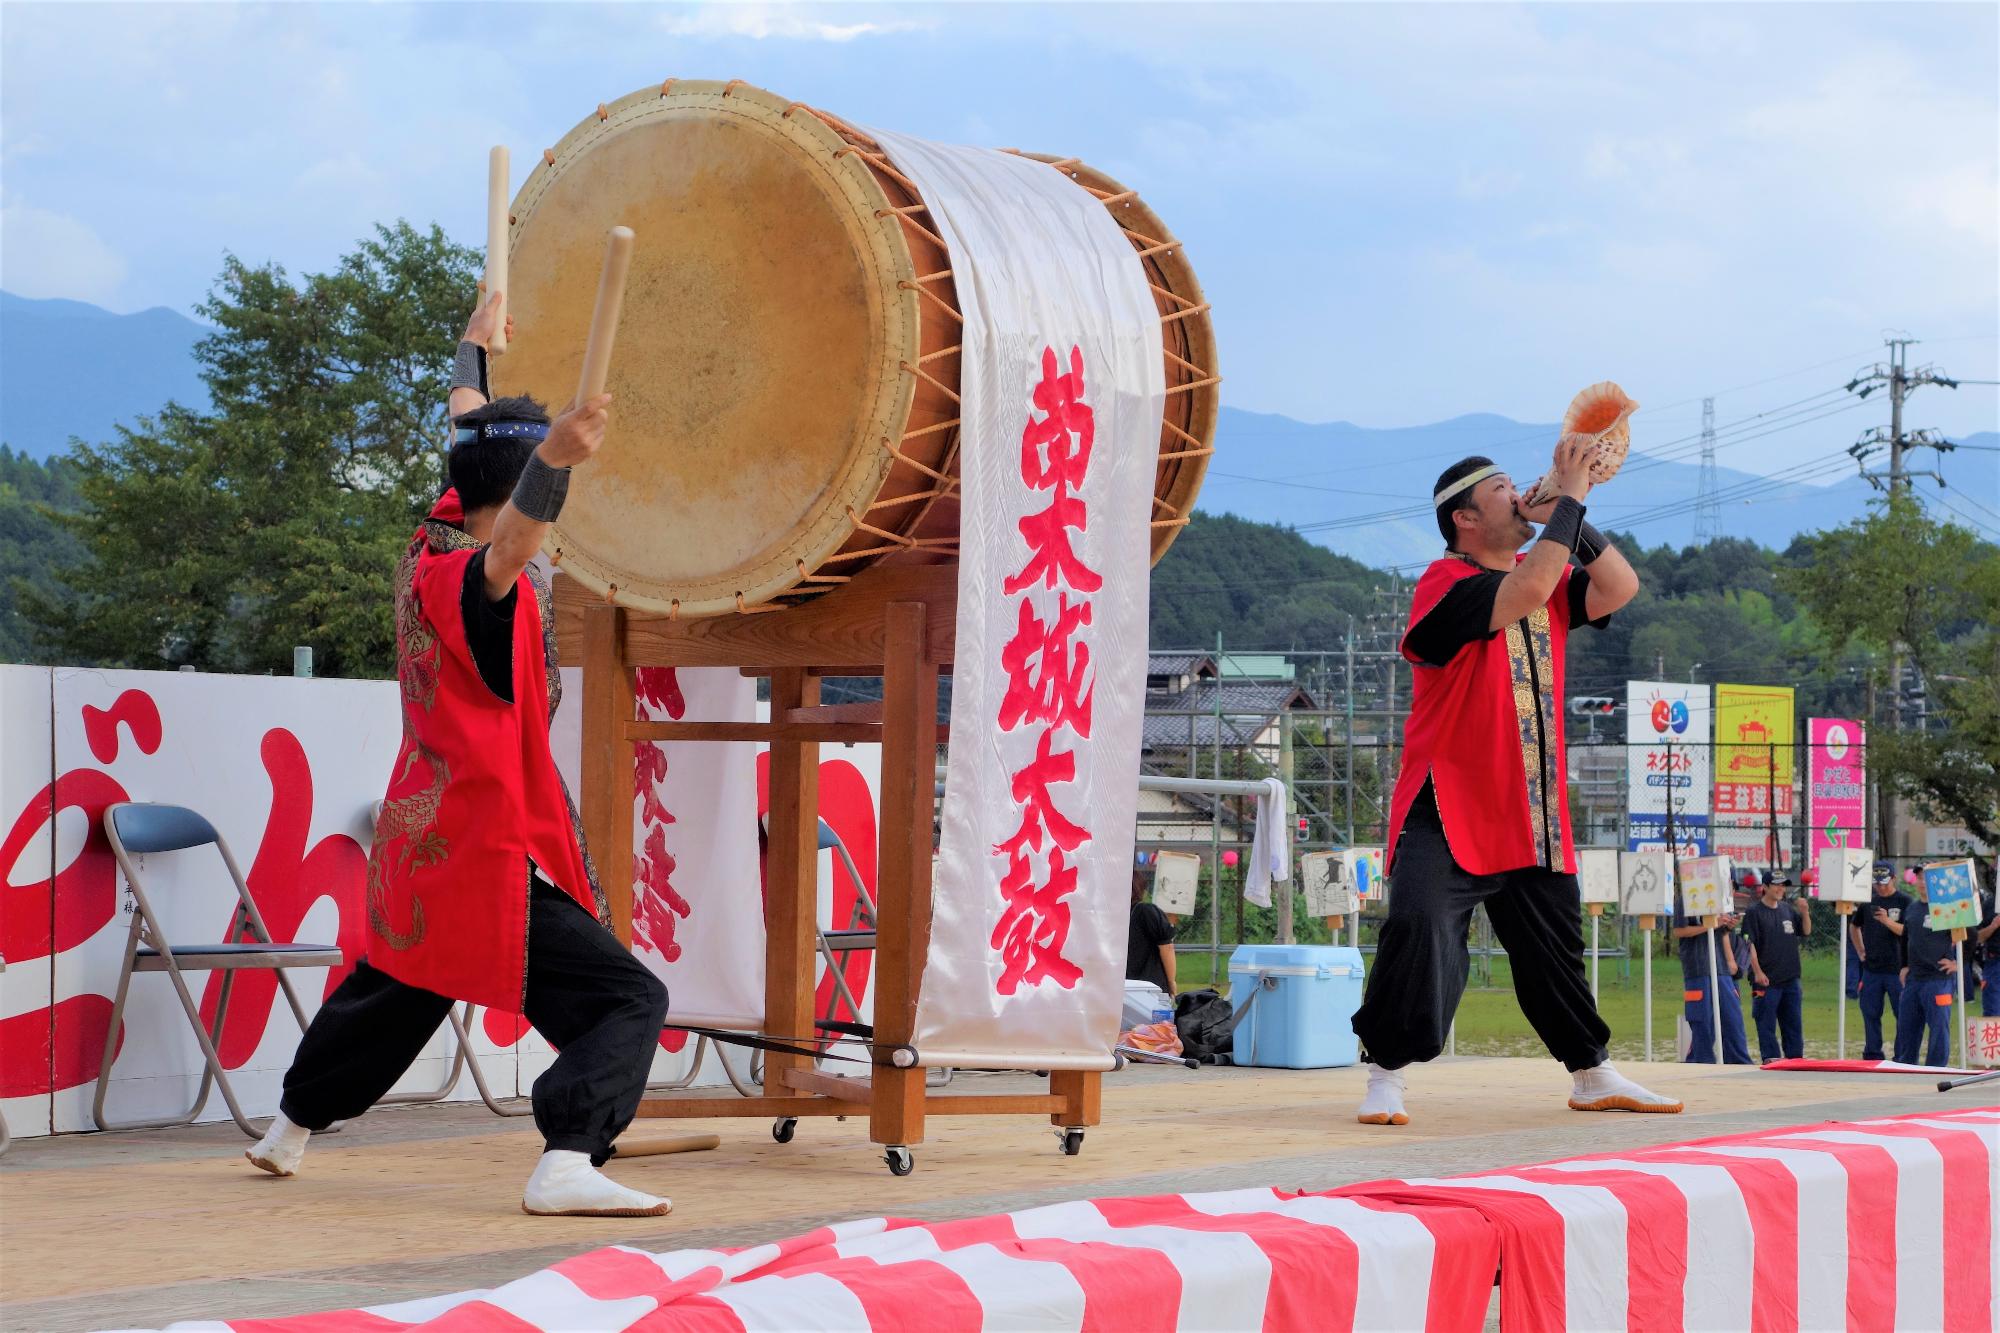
70 369
1366 493
67 368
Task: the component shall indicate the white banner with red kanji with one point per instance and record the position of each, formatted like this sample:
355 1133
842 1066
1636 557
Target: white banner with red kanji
1062 385
695 922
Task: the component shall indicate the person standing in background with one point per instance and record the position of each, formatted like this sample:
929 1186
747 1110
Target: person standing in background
1772 931
1695 983
1985 946
1878 941
1929 987
1149 941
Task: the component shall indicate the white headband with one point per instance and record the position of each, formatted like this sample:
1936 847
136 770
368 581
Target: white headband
1472 478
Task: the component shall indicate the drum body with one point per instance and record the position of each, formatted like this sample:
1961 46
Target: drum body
785 379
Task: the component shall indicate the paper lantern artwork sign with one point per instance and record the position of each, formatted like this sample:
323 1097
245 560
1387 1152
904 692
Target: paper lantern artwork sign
1364 873
1982 1041
1328 892
1705 888
1846 874
1646 885
1954 904
1176 876
1597 874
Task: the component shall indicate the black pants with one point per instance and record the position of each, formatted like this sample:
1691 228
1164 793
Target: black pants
1421 962
596 1004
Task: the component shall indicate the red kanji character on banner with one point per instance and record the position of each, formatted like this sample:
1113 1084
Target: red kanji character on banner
1058 693
1034 927
1038 807
1063 437
1068 418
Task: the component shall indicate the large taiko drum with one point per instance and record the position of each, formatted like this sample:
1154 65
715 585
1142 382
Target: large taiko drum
786 372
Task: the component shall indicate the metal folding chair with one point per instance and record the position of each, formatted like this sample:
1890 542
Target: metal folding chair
857 935
137 829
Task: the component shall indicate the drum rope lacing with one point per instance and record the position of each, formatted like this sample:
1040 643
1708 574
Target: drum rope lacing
1189 377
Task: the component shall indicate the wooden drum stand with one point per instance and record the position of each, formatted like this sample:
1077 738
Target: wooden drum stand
899 623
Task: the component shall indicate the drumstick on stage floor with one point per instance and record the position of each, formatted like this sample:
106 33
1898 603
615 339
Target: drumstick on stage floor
604 319
671 1144
496 241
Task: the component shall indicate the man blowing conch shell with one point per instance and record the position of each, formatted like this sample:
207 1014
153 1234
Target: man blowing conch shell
1480 812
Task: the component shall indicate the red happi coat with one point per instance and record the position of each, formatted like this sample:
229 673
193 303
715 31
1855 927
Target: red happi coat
474 795
1490 744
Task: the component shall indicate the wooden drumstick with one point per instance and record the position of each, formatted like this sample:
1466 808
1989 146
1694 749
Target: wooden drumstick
604 319
671 1144
496 240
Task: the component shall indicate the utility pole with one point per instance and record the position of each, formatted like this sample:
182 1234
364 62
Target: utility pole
1707 503
1896 376
1899 379
1287 889
1350 730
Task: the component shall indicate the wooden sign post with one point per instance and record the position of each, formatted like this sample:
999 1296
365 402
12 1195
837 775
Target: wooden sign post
1646 924
1596 915
1599 883
1842 911
1964 1019
1714 984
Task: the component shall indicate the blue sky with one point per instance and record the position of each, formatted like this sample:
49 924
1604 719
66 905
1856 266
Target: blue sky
1402 213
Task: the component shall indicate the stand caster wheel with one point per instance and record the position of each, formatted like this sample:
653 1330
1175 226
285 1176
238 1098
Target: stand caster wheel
783 1128
1071 1140
900 1161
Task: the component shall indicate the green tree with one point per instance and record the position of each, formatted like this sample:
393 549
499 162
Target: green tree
32 540
221 540
1260 585
1900 581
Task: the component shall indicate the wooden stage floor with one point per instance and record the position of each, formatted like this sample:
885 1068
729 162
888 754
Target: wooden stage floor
140 1229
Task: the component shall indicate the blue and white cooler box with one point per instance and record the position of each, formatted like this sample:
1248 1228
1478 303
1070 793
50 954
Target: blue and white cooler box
1300 999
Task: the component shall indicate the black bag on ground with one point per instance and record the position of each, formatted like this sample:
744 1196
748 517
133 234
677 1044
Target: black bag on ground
1207 1024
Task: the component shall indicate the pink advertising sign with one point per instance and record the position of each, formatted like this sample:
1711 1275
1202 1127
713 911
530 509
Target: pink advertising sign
1836 784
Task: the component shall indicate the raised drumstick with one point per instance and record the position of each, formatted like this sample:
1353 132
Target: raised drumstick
604 319
496 240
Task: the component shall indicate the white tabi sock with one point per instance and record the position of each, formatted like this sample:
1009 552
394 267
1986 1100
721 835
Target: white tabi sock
282 1147
1603 1088
565 1184
1382 1104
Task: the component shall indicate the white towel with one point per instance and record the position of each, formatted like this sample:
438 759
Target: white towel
1270 845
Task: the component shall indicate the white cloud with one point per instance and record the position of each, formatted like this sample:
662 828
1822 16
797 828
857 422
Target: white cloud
45 254
786 22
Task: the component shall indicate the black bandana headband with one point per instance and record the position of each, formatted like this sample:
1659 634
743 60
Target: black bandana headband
500 430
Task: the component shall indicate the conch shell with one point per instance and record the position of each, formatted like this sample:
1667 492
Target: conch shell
1602 410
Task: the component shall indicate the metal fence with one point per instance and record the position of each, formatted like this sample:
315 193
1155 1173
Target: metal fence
1340 770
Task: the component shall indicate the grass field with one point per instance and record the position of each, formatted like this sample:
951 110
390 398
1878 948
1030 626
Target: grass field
1490 1022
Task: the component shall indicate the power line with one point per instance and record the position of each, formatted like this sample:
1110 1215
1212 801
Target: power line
1978 525
1798 474
1653 413
1757 426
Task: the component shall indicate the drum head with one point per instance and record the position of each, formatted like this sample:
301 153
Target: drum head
755 374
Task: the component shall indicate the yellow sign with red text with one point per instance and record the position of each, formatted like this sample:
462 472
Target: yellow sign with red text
1754 736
